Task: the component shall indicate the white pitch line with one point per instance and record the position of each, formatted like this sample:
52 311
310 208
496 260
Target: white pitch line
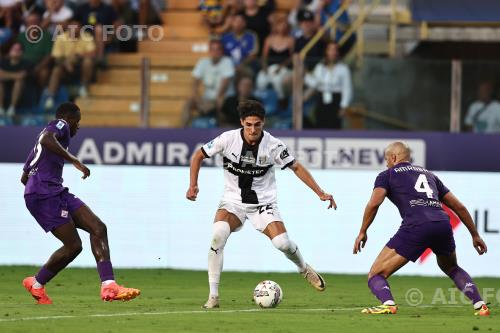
125 314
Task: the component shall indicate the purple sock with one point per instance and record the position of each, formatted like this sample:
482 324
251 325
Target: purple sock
105 270
465 284
380 288
44 275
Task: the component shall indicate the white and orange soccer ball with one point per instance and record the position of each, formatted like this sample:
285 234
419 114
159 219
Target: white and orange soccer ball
267 294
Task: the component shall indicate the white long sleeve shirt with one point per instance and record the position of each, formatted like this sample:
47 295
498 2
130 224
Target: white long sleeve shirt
332 79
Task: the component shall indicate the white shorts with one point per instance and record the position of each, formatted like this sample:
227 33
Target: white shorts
260 216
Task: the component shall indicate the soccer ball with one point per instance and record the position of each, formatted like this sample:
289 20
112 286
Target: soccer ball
267 294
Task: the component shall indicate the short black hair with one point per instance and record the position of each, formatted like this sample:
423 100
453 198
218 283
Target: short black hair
67 109
248 108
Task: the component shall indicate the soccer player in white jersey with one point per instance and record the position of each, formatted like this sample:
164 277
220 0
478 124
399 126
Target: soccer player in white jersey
250 154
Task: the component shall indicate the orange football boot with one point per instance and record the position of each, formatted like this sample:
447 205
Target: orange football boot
38 293
115 292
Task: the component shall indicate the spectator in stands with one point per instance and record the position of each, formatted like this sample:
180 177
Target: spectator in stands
11 14
33 6
56 13
126 16
257 18
229 9
483 115
309 28
241 45
276 59
150 12
310 5
38 54
74 54
332 80
229 117
212 14
328 8
215 74
97 14
13 70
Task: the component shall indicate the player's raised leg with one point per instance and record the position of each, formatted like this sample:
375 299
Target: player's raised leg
278 235
72 246
386 264
225 223
463 281
86 220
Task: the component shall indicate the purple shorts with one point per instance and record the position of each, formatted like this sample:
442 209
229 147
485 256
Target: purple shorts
412 242
53 211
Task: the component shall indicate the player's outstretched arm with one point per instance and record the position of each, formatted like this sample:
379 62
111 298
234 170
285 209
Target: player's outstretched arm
371 209
194 170
463 214
49 141
307 178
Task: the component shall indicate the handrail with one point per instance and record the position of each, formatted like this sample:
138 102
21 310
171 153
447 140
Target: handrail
323 29
359 21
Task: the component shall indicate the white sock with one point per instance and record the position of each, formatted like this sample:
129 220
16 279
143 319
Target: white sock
105 283
478 305
390 303
221 232
290 249
37 285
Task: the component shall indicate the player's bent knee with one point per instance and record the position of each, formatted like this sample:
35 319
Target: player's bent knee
283 243
100 230
221 232
74 249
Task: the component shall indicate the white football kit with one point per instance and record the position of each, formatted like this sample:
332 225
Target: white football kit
249 182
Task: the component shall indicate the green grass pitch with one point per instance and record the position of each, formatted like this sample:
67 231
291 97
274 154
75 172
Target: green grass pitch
171 300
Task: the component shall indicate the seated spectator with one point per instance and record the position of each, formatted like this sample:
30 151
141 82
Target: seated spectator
96 13
11 14
74 54
276 59
38 54
33 6
229 9
215 74
257 18
13 70
308 30
126 16
483 115
310 5
212 14
150 12
328 8
229 117
241 45
332 80
56 14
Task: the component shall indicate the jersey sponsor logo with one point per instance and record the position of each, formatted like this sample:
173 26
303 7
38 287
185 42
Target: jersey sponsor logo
425 203
242 170
60 124
262 159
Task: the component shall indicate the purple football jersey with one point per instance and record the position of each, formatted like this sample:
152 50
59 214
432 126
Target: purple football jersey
43 166
415 191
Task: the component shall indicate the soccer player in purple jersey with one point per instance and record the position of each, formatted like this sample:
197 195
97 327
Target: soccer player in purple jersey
60 212
418 194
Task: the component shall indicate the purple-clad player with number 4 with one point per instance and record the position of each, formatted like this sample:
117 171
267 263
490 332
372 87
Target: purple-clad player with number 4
60 212
418 194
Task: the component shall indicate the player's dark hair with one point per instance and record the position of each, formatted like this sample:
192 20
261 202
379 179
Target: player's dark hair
67 109
248 108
